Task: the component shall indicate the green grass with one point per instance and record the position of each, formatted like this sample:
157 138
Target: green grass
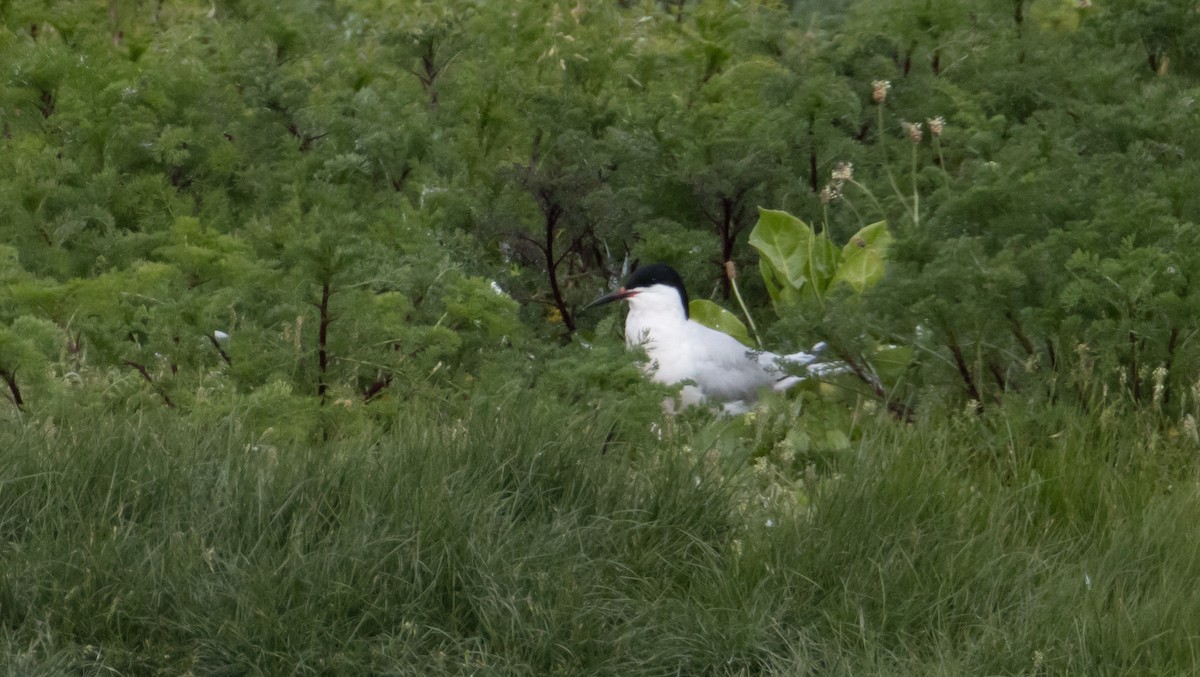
522 538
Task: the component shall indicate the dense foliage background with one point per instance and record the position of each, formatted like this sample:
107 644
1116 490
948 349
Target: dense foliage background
279 228
338 185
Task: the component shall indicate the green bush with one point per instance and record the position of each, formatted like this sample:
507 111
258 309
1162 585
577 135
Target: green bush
295 376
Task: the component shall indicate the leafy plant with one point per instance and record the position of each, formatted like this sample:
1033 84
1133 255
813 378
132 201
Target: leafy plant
798 263
712 315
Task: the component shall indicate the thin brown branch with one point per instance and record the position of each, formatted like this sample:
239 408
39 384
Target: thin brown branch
552 215
1172 344
46 103
998 375
10 378
1134 381
221 351
141 368
323 341
708 215
522 236
306 140
963 370
574 246
900 410
1019 332
375 388
814 179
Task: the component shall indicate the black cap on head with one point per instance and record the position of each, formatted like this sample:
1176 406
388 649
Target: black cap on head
646 276
658 273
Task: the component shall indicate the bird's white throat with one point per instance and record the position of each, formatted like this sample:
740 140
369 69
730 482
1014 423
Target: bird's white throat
656 316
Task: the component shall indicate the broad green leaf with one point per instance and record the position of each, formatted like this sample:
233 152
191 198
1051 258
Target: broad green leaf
795 261
713 316
782 293
836 440
863 257
783 241
798 441
891 361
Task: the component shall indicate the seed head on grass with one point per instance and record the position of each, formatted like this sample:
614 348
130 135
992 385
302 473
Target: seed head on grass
1159 375
830 193
843 171
1189 428
912 130
879 90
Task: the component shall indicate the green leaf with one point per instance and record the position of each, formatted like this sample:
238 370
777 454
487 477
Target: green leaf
714 316
836 440
798 441
863 257
796 262
891 361
781 239
782 294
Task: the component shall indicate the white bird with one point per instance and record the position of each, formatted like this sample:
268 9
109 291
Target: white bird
714 366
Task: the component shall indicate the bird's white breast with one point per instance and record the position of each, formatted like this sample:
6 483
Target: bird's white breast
682 350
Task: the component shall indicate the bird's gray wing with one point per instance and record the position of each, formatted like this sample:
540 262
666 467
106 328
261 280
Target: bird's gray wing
813 363
725 369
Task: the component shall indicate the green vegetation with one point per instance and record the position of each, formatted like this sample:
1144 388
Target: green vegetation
525 541
295 380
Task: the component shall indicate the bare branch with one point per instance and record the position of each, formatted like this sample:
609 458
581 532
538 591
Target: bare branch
141 368
10 378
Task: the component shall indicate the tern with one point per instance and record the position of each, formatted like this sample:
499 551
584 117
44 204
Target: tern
713 366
